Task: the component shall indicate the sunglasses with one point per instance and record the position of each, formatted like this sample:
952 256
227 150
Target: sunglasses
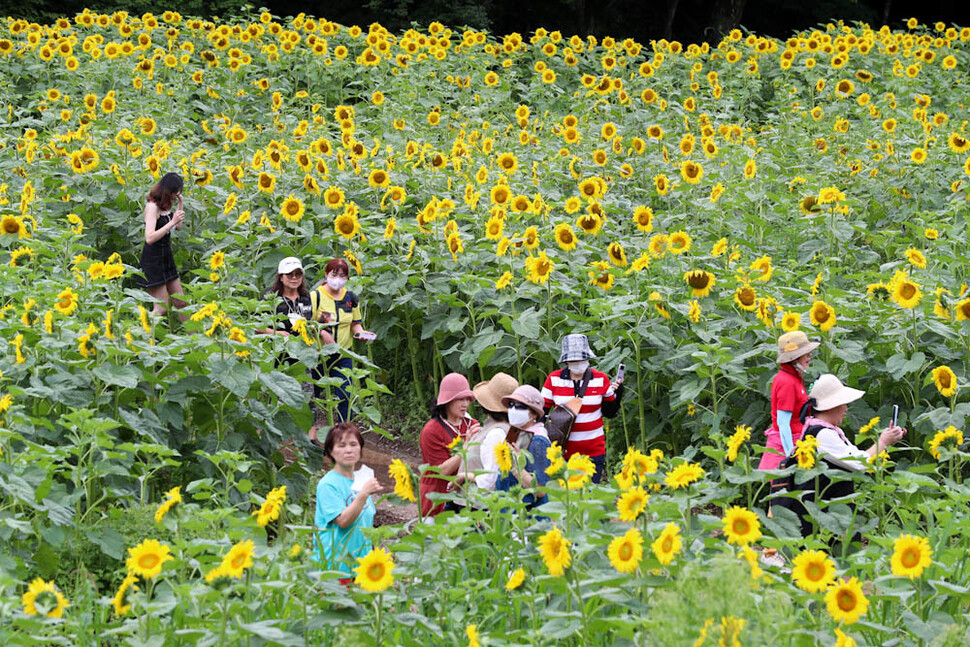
518 405
295 274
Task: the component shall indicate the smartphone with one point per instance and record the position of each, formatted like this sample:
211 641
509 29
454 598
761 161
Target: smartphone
619 371
895 414
366 336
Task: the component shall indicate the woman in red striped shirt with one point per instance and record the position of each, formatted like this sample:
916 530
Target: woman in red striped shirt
600 399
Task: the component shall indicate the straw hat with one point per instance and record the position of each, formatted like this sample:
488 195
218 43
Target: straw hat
489 394
829 392
529 396
793 345
454 386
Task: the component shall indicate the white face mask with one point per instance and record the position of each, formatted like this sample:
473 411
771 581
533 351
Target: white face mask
336 282
520 418
578 368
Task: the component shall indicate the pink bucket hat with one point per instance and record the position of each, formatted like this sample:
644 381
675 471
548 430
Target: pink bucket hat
454 386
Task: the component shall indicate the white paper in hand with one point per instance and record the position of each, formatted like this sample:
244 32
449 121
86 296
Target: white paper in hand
361 476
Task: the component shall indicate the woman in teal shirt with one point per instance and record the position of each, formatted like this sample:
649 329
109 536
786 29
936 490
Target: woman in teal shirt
342 512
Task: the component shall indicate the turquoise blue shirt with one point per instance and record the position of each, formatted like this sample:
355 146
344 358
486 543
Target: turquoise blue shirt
334 494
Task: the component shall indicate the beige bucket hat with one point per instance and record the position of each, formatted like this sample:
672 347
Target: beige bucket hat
489 394
793 345
829 392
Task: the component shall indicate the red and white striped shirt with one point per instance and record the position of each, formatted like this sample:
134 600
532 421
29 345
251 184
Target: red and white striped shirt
587 436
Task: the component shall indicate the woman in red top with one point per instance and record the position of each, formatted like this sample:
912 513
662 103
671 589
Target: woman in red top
450 424
788 396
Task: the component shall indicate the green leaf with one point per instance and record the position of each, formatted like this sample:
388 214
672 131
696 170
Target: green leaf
124 376
234 376
528 324
111 542
284 387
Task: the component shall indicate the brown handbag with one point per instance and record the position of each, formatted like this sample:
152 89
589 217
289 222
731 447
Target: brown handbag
562 417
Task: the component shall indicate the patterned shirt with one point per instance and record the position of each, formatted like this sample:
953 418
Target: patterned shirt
587 436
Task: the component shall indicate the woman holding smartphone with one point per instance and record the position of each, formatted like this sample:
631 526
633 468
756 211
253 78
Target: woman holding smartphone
526 431
157 263
340 308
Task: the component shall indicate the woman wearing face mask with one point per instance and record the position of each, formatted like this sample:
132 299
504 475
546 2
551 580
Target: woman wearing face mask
342 310
450 425
527 431
599 399
788 395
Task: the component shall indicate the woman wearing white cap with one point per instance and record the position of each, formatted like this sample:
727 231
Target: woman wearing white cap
599 399
829 400
290 286
788 395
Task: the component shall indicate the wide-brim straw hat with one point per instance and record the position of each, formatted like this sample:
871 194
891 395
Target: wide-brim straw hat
489 394
793 345
829 392
454 386
529 396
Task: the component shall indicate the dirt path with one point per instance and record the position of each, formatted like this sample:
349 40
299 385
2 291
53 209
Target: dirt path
377 454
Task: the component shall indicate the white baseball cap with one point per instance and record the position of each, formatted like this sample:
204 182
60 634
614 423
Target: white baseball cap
289 264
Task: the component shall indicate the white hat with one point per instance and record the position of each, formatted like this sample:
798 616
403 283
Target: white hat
829 393
289 264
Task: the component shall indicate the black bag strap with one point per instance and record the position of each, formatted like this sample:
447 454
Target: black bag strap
580 390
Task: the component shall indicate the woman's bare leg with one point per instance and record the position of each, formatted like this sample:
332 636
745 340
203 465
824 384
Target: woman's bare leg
160 292
175 287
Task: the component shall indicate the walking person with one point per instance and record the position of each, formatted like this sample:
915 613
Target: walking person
788 396
164 211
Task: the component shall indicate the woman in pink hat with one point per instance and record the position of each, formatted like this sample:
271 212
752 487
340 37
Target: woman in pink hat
788 396
450 424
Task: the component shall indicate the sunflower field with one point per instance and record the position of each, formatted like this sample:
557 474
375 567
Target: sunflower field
681 205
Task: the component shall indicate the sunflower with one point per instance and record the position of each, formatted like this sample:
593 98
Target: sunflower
904 291
746 297
626 551
938 440
147 558
13 225
916 258
531 238
503 281
790 321
958 143
238 559
668 544
66 302
508 163
632 503
333 197
379 178
762 269
658 245
741 526
945 380
662 184
347 225
846 602
565 237
266 182
516 578
692 172
374 570
616 255
292 209
271 507
52 601
962 309
556 462
129 584
172 497
742 434
590 223
539 268
500 194
640 264
679 242
910 556
813 571
494 228
600 276
843 640
822 315
809 205
805 450
683 475
554 549
694 311
503 458
580 469
750 169
700 282
403 486
643 218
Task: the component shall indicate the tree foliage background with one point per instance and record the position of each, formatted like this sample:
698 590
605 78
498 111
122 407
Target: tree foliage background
684 20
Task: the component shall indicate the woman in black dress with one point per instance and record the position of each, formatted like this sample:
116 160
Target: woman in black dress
157 263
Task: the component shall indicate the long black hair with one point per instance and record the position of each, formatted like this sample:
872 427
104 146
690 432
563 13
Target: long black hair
165 191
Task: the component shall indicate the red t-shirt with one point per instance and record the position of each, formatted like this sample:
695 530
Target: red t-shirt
435 438
788 394
587 436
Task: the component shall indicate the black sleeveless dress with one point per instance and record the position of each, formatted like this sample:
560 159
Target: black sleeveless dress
157 262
